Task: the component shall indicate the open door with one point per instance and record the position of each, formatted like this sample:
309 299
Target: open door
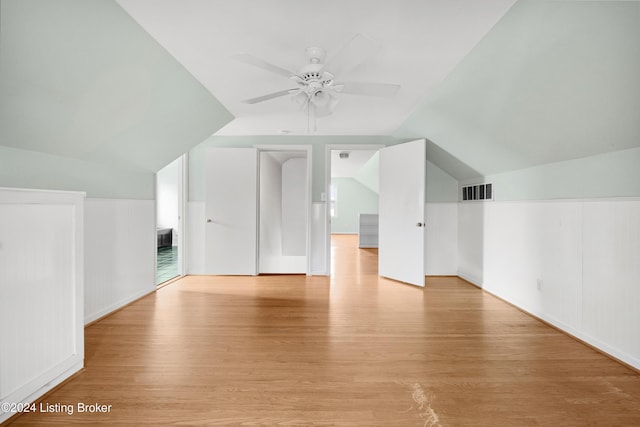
231 211
401 212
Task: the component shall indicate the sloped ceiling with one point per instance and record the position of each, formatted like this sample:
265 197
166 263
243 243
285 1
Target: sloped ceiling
348 167
81 79
553 80
420 43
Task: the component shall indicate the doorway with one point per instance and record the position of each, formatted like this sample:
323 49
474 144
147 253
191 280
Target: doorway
283 212
351 196
401 205
169 224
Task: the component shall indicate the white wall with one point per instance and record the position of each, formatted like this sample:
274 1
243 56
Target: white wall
195 241
270 213
441 239
471 242
120 247
572 263
294 207
441 219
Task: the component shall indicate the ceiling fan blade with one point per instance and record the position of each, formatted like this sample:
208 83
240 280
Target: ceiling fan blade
369 89
355 52
261 63
268 96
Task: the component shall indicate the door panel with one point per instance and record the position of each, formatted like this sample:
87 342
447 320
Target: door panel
401 212
231 211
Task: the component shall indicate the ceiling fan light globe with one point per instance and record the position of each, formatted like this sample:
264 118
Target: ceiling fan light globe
300 98
321 98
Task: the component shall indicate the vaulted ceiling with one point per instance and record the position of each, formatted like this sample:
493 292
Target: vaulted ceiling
420 43
494 85
552 81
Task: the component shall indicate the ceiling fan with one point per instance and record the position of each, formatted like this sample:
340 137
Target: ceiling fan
317 90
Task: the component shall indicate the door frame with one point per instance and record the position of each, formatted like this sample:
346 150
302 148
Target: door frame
308 149
327 182
182 210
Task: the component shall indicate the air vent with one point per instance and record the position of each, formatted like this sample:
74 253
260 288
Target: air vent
477 192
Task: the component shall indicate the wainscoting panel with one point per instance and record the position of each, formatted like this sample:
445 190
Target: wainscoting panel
572 263
120 253
441 234
41 292
196 222
611 289
319 238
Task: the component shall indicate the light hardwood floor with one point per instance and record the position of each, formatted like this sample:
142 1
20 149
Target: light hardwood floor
352 350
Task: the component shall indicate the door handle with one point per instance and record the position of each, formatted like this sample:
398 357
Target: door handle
420 224
209 220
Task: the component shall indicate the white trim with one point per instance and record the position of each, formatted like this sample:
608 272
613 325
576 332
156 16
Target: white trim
598 344
183 189
561 200
117 305
35 196
182 212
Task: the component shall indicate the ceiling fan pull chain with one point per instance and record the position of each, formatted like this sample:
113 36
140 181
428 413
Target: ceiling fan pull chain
315 128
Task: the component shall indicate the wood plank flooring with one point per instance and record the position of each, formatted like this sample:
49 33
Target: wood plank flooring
350 350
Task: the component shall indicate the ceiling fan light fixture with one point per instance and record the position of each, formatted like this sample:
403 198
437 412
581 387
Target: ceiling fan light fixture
320 98
301 97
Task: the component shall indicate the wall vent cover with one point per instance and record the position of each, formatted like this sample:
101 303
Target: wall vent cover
477 192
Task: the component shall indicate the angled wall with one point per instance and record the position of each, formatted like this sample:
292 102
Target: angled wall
90 102
81 79
547 108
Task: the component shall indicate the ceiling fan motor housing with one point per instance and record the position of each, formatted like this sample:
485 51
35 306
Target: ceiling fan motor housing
315 55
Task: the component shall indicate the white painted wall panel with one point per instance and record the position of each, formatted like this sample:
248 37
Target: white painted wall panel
531 245
573 263
36 270
120 253
271 185
471 242
612 276
294 207
41 291
441 239
319 235
196 229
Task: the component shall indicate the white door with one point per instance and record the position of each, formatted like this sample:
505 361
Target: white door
231 211
401 212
